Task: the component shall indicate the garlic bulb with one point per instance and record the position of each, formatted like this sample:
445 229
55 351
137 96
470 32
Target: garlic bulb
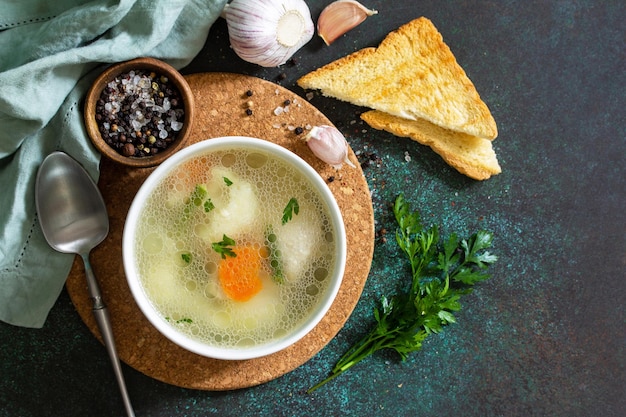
329 145
268 32
339 17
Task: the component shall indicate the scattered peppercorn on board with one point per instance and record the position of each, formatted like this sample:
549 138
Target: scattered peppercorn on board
226 105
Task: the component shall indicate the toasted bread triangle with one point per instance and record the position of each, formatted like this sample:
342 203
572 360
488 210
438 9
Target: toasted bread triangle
470 155
412 74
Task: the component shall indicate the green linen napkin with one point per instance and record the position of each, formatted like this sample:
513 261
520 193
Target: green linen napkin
50 52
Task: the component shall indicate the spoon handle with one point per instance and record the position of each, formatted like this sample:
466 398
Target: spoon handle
101 314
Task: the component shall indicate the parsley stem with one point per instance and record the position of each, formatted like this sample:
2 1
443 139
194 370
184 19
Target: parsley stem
368 345
320 384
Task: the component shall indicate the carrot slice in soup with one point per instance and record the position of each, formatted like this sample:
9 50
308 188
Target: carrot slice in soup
239 275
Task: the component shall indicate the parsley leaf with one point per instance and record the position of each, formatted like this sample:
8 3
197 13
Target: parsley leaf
223 247
441 272
179 321
184 320
275 255
186 257
208 205
199 193
195 199
227 182
290 209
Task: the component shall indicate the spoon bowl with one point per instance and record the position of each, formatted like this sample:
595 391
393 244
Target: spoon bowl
74 219
70 207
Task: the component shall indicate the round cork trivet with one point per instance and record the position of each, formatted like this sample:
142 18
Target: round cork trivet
221 104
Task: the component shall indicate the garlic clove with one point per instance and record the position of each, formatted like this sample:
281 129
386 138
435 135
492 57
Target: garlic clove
339 17
268 33
329 145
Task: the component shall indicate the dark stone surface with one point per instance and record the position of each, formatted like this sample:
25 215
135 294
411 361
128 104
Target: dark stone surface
544 337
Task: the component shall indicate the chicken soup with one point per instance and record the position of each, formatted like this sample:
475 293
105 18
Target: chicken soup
235 247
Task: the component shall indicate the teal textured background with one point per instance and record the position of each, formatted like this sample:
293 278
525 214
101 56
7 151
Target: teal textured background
544 337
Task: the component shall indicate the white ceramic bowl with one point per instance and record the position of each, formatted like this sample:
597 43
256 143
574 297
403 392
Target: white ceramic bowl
171 331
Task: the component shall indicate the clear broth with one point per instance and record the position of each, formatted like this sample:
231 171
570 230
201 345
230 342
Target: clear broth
248 191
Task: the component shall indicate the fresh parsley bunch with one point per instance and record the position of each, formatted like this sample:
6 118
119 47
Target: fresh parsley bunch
441 272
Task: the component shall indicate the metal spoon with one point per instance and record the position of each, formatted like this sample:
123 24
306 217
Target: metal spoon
74 219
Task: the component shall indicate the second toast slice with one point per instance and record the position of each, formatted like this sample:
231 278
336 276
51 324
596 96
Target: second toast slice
470 155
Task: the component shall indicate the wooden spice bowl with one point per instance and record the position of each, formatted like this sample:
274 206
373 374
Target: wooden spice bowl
148 65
